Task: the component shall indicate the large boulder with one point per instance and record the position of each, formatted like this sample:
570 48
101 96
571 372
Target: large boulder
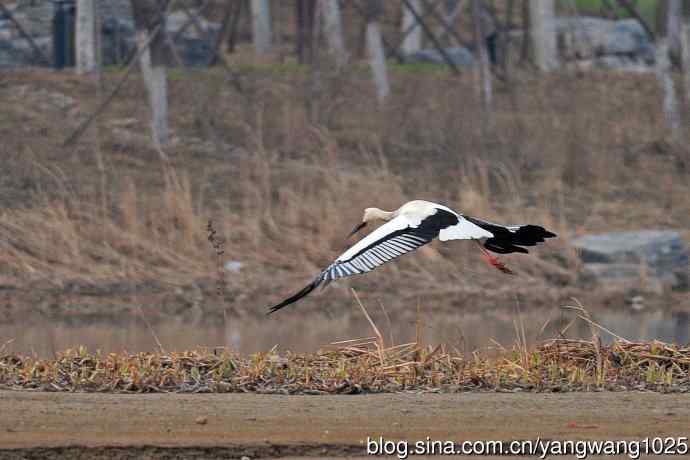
459 55
646 259
586 38
193 48
19 53
178 21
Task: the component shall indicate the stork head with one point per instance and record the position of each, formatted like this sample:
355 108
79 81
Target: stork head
371 214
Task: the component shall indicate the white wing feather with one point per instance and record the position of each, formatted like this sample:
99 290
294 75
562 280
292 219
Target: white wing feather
398 223
464 230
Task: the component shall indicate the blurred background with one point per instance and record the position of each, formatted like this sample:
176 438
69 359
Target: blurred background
133 130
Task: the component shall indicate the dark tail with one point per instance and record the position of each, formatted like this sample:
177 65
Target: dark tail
303 293
509 239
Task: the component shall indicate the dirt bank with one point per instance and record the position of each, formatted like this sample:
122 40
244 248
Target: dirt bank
64 425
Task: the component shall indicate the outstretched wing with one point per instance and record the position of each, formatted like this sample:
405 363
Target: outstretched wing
399 236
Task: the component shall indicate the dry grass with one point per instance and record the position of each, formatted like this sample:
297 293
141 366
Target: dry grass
285 169
360 366
367 364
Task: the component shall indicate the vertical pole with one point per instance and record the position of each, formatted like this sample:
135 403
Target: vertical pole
685 53
333 28
261 26
86 36
543 34
153 62
483 69
377 56
663 73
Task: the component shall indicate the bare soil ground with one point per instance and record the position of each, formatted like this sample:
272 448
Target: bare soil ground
67 425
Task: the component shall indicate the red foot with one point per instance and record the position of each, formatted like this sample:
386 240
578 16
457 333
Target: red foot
493 261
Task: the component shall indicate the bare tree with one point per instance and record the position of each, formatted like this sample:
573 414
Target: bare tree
450 14
315 93
306 15
484 70
668 23
543 34
333 29
377 56
685 51
86 38
412 42
261 26
149 20
663 73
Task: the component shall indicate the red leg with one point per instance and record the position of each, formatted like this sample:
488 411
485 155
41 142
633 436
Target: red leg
493 260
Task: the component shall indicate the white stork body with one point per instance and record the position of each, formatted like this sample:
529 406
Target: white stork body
413 225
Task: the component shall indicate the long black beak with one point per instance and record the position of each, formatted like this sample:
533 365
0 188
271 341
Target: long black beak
357 228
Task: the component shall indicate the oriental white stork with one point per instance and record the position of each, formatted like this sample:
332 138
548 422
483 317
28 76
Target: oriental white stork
413 225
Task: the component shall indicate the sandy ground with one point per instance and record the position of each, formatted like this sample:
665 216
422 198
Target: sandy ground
67 425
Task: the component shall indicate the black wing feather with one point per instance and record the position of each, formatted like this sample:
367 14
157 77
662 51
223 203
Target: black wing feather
509 239
303 293
379 252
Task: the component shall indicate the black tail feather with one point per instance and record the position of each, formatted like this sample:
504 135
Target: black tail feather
502 247
509 239
303 293
530 235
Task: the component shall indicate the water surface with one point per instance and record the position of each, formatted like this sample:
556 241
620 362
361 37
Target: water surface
486 330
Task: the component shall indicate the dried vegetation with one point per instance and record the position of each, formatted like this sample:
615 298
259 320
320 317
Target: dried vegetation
283 167
366 365
360 366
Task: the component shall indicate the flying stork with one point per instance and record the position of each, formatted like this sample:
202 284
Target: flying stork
413 225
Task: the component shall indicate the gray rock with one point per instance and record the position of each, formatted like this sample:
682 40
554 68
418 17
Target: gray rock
6 32
460 56
178 19
194 51
18 52
586 37
45 44
658 258
624 63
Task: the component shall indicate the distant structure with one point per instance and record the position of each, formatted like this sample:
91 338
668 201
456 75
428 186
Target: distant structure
41 21
38 19
40 32
37 15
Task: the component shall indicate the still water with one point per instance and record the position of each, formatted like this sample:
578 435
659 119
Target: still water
486 330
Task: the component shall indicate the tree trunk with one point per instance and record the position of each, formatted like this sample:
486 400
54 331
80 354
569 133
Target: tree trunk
149 20
86 37
673 28
685 54
484 82
333 29
413 40
315 88
663 73
377 56
305 29
543 34
261 26
220 47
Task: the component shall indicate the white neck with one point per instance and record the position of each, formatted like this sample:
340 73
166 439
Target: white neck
377 213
